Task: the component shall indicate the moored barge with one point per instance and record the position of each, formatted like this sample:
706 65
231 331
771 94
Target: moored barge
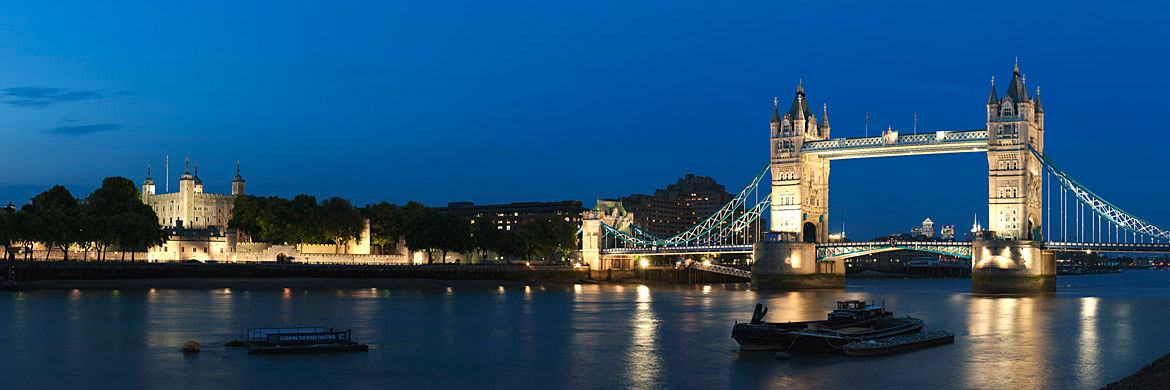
852 321
896 344
297 340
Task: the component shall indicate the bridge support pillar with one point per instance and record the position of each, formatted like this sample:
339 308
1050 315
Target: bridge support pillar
793 266
1011 267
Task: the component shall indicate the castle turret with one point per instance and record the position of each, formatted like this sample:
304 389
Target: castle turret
238 182
198 181
147 186
186 196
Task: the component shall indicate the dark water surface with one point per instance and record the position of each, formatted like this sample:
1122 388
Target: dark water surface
1097 329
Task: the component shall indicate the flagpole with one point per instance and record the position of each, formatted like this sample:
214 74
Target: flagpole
915 122
867 124
168 164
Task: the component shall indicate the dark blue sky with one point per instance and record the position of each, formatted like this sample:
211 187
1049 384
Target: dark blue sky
443 101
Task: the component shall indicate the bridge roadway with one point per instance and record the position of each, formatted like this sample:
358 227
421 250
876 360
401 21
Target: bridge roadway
840 250
893 144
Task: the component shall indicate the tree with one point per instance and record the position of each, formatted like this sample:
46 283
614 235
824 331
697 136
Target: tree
114 215
553 237
422 227
386 224
454 233
56 217
486 238
340 221
246 211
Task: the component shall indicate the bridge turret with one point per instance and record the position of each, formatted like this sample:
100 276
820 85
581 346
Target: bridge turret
799 182
1014 123
1013 260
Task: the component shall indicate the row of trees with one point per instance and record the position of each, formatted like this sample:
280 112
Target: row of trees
112 217
427 229
301 220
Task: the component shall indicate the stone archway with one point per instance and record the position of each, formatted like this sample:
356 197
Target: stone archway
810 232
281 258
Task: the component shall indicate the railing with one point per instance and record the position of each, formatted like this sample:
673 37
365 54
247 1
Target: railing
678 249
1108 246
722 270
935 138
850 249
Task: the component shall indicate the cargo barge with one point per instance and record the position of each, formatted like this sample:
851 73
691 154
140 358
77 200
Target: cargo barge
852 321
897 344
297 340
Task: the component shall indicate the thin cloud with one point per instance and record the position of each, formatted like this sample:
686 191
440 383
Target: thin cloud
82 130
37 97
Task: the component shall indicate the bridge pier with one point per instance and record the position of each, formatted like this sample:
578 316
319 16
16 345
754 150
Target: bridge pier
1011 267
786 265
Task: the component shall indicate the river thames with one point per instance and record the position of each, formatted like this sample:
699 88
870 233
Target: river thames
1095 330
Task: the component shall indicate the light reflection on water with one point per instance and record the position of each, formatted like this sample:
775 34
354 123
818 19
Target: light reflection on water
642 361
580 336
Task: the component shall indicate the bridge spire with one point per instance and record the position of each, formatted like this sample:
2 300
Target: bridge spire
1016 89
993 98
825 119
1038 108
775 110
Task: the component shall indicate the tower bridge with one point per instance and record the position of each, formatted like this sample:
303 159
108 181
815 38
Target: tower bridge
793 250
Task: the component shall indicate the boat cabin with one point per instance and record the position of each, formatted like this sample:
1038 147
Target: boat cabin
856 310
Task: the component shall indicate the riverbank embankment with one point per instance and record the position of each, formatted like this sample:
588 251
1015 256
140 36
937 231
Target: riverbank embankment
1153 376
56 275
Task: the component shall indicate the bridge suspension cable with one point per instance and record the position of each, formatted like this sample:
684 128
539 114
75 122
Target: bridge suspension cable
732 220
1101 210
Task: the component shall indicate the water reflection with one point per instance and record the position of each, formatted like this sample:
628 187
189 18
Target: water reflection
581 336
1088 345
1006 342
642 362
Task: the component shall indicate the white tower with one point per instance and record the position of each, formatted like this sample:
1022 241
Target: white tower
1014 178
800 183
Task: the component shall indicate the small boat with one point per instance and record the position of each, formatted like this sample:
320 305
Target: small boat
898 344
852 321
297 340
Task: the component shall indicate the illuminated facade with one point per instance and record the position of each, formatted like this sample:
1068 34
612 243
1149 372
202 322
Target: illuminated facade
1014 122
678 207
800 182
192 208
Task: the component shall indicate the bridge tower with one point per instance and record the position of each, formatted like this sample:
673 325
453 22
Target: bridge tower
800 183
786 257
1013 260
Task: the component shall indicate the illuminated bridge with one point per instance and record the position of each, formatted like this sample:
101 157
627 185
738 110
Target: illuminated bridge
1029 217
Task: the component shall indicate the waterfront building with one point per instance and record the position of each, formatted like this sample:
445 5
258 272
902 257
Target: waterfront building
191 208
513 216
947 233
926 230
678 206
196 227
